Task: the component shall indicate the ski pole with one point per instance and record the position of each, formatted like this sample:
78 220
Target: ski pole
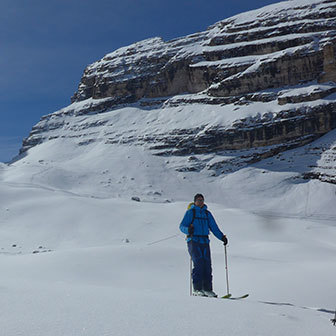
163 239
191 265
227 271
191 274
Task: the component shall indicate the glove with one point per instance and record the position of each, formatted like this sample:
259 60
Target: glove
191 230
225 240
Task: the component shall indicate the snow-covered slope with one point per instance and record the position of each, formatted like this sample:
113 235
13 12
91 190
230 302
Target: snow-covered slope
89 212
228 178
80 265
79 257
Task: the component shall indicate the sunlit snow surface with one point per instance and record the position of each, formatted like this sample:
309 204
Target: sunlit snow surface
79 257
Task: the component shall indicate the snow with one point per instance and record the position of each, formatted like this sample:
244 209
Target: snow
277 25
285 38
291 8
79 257
307 89
133 123
254 61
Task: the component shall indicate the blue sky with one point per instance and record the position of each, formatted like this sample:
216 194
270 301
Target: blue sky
46 45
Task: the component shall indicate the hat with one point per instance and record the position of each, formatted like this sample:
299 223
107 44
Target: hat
198 196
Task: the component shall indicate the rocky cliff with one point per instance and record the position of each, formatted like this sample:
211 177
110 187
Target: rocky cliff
263 79
285 44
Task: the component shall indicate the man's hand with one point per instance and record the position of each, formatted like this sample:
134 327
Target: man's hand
191 230
225 240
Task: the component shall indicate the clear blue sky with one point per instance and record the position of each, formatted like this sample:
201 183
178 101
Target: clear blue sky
45 46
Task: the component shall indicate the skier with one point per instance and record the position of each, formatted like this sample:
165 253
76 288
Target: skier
196 224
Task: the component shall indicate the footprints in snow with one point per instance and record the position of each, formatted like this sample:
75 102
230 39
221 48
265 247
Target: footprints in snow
15 250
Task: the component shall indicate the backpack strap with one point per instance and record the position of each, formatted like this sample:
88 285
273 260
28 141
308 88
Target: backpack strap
194 215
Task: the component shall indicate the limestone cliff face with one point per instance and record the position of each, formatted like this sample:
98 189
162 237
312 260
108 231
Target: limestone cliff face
329 63
265 78
282 46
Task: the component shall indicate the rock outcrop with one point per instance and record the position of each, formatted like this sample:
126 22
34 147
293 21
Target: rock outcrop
282 46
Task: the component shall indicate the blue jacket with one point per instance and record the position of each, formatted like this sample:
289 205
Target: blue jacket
203 224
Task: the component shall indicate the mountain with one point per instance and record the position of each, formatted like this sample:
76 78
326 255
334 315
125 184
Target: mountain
258 79
210 104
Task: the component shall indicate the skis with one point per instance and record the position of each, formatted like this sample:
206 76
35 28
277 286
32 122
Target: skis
230 297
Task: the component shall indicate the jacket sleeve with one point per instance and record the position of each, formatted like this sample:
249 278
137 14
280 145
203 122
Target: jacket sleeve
186 221
214 227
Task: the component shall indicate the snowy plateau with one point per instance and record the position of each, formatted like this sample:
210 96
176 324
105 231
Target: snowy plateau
90 209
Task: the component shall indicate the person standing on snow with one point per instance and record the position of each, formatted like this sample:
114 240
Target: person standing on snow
196 224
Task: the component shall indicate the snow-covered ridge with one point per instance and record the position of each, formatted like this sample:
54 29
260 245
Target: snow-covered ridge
285 10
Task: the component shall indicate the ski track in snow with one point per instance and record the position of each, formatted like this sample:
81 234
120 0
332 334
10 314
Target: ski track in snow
323 310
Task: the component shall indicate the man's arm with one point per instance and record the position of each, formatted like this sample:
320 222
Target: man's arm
214 227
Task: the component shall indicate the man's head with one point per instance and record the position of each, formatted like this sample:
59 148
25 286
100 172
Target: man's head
199 200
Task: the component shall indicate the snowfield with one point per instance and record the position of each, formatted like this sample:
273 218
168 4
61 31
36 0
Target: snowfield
79 257
89 216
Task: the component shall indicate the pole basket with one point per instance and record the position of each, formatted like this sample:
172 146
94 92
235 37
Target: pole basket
333 321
